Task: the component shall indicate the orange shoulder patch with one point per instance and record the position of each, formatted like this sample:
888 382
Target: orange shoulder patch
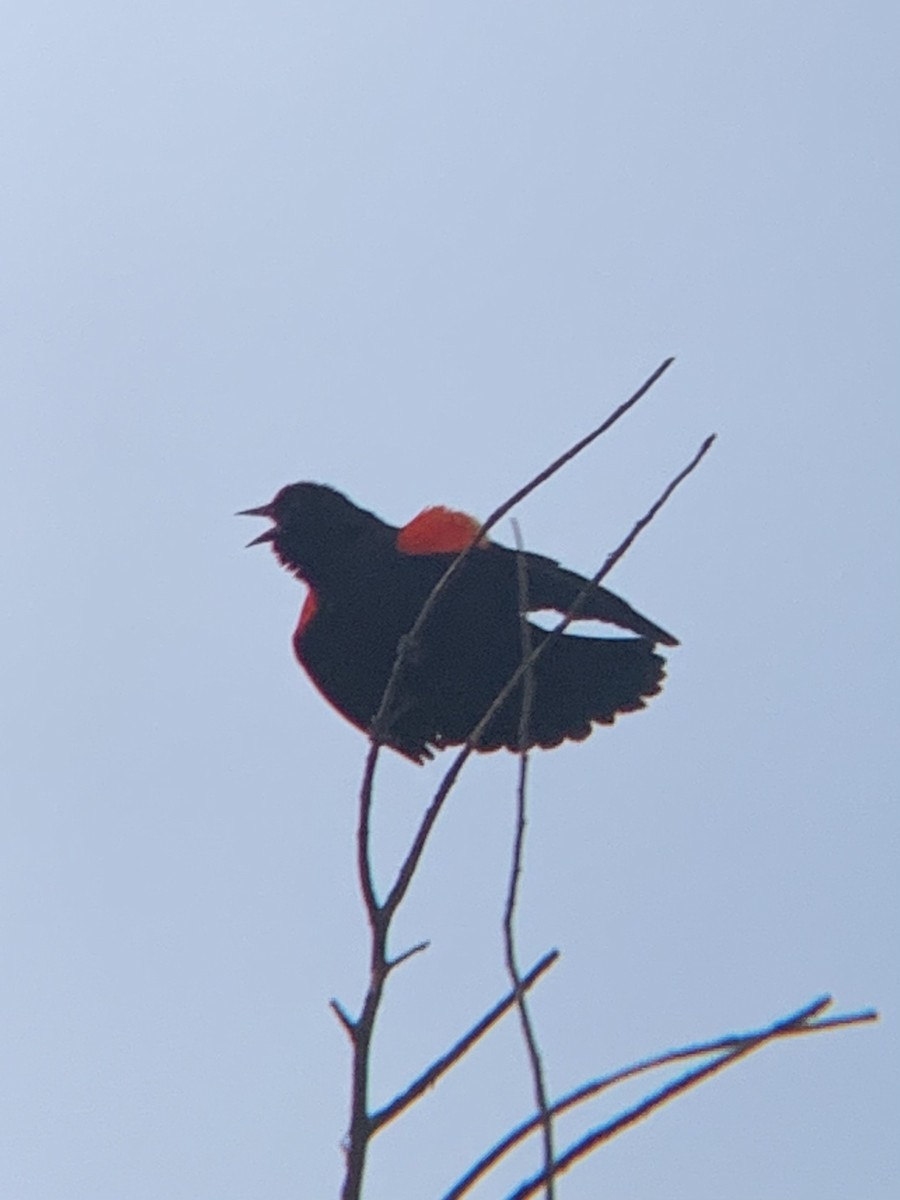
438 530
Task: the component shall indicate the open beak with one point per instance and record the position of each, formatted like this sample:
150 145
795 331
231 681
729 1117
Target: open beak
264 510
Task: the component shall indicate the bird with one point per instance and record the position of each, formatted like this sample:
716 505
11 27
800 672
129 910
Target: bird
367 582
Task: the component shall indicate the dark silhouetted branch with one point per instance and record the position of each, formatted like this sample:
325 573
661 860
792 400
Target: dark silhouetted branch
438 1068
535 1059
729 1050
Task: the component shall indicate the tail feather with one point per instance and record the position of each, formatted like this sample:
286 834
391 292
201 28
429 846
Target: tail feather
578 683
552 586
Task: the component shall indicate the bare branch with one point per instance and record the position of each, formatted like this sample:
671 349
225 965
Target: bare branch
595 1087
443 1064
603 1133
380 916
407 870
861 1018
508 505
515 873
363 860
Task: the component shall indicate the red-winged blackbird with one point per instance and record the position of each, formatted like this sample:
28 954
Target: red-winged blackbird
367 584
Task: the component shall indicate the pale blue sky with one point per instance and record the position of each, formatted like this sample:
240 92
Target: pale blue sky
415 250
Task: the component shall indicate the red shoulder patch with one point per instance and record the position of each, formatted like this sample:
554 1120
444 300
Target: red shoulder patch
438 530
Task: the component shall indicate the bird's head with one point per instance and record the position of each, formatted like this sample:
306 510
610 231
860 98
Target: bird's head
310 524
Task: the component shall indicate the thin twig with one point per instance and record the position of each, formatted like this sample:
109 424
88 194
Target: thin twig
363 860
596 1086
443 1064
407 870
407 954
509 938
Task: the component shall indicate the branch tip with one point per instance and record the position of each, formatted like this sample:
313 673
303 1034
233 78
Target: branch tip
401 958
349 1025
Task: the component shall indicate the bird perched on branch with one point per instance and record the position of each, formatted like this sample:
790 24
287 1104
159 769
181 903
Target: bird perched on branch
368 582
